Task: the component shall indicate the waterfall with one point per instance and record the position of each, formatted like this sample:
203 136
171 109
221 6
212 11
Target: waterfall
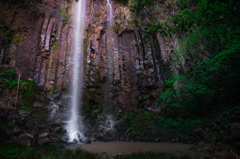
109 120
110 12
110 43
75 124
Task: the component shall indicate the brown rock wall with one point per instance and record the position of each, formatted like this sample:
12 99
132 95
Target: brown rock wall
123 66
40 46
130 66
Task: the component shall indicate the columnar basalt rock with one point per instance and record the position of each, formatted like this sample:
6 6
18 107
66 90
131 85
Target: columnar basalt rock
138 61
43 52
137 65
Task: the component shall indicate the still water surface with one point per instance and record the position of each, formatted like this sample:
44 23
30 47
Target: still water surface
113 148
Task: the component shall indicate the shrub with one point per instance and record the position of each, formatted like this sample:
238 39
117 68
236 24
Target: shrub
211 51
9 76
124 2
142 125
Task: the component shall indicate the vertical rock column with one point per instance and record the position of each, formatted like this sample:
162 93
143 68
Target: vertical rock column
53 60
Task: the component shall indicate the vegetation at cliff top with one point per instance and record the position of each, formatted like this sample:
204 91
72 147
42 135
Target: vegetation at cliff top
207 86
125 2
24 3
207 56
211 52
138 5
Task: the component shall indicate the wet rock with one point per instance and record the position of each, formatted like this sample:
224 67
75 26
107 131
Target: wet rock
27 140
139 72
16 129
51 82
235 130
43 141
56 95
24 113
9 132
19 121
227 138
198 132
38 105
87 141
225 155
63 138
155 110
59 130
43 135
104 155
151 70
93 139
216 127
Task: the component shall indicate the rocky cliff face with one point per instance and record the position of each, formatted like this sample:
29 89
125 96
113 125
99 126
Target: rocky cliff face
39 48
124 66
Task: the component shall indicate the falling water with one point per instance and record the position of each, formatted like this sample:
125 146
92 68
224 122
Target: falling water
109 121
110 11
75 124
110 43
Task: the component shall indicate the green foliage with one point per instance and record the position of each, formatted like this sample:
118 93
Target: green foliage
62 11
184 4
14 151
132 9
24 107
153 28
97 15
211 50
39 115
117 24
24 3
124 2
17 38
28 90
162 28
64 14
138 5
8 75
3 133
9 35
93 99
6 34
27 85
143 125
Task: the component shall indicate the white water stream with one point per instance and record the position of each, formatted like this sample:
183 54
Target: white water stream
109 121
110 12
75 125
